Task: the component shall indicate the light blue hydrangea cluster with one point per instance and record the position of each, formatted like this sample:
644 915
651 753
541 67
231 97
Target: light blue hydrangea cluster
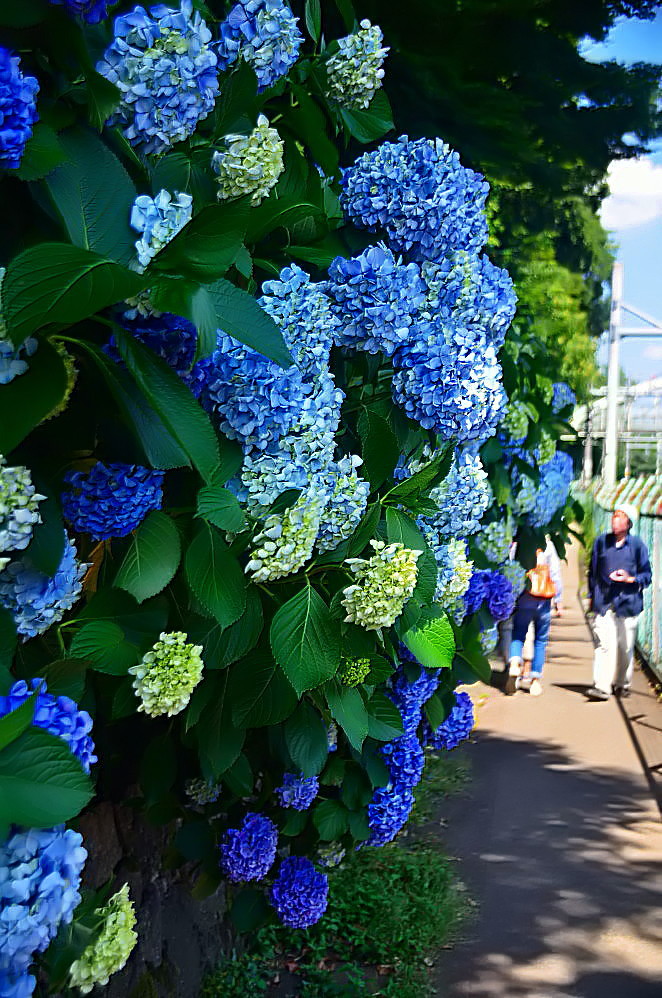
299 893
494 540
158 220
166 70
40 871
298 791
249 165
494 589
457 726
454 568
18 109
354 73
516 575
59 716
347 499
462 497
91 11
264 34
111 500
388 812
248 852
376 298
19 507
418 191
36 601
562 396
304 313
404 760
553 489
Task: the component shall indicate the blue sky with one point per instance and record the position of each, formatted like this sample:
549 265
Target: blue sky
633 213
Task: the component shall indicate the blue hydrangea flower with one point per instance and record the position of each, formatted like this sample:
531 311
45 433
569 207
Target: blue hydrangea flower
299 893
408 695
19 507
494 540
553 489
40 870
264 34
491 588
171 337
376 298
16 985
248 852
18 109
304 312
404 760
457 726
36 600
562 396
454 568
388 812
347 499
91 11
111 500
516 575
298 792
158 220
478 590
59 716
13 360
461 498
166 71
429 204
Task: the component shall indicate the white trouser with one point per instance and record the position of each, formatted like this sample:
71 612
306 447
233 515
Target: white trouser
614 654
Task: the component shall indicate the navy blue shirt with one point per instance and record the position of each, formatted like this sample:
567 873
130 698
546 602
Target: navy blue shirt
624 597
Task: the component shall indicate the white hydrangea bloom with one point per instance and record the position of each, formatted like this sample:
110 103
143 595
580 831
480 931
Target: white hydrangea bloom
286 540
384 584
167 675
19 511
110 951
355 73
250 164
454 575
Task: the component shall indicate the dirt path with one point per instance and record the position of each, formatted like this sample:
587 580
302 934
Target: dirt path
559 838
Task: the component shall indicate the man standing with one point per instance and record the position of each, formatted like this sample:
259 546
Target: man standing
620 571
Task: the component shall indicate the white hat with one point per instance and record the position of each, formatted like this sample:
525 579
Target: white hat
630 511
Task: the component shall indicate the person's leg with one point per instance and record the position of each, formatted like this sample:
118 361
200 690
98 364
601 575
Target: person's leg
626 634
521 621
542 624
604 662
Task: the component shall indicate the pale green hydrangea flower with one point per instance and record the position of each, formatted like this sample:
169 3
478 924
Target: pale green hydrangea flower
167 675
286 540
516 420
495 539
250 164
201 792
384 584
353 671
546 447
110 951
545 387
354 73
19 503
516 574
454 584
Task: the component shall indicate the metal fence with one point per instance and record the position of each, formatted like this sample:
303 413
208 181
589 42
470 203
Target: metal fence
645 494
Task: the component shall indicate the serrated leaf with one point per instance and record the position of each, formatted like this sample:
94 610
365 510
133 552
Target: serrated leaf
215 576
423 480
371 123
431 641
219 740
65 677
152 559
305 640
306 739
102 643
330 819
260 693
208 245
42 154
220 507
223 646
249 910
102 97
348 709
384 718
48 537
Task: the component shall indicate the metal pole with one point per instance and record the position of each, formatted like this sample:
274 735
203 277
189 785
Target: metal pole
611 432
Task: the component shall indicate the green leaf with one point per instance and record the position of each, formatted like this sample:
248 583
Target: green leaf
249 910
102 97
103 644
62 284
32 396
260 693
47 545
435 711
380 449
358 825
41 782
220 507
23 15
306 739
152 559
13 725
239 777
347 707
330 819
173 402
431 641
239 315
402 529
65 677
309 124
188 299
93 193
384 718
208 246
215 576
43 153
314 19
237 105
422 481
219 741
356 788
8 639
346 11
195 840
140 623
372 123
305 640
222 647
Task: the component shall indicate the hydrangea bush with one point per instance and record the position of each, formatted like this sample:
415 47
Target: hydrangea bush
238 536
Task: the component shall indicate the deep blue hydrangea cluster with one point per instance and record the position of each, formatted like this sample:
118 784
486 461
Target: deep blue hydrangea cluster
562 396
376 298
166 71
59 716
171 337
409 695
36 600
248 852
18 109
298 791
264 34
299 893
91 11
158 220
111 500
40 870
491 588
457 726
553 489
388 812
404 760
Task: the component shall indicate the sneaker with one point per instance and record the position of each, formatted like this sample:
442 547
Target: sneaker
622 691
513 676
535 689
593 693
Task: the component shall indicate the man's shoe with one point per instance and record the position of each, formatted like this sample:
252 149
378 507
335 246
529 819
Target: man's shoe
622 691
593 693
535 689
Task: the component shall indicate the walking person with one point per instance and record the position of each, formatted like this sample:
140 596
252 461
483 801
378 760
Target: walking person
534 606
619 573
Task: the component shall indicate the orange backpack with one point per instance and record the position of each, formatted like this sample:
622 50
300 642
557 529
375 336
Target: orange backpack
542 584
